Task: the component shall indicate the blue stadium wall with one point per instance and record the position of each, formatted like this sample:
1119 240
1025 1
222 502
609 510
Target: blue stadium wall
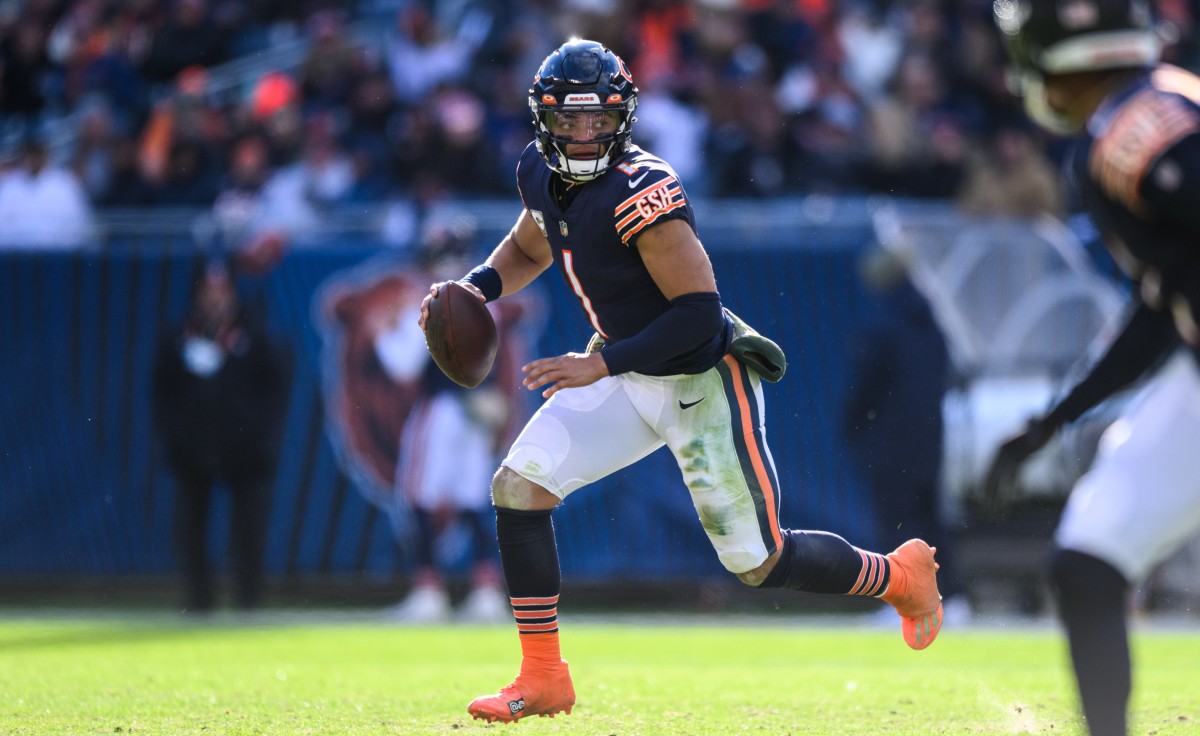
84 491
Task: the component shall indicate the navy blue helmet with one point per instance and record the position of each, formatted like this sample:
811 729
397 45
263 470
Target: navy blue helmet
1046 37
582 77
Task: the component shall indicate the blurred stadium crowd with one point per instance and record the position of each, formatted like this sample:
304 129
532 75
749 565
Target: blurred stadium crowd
147 103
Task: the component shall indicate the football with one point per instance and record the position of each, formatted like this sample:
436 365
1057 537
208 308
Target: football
461 335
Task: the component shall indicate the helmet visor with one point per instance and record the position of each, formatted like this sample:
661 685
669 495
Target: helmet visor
583 126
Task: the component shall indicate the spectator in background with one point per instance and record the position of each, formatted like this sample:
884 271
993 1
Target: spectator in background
25 70
421 56
892 418
1012 177
189 37
127 188
178 154
42 205
256 203
459 157
220 391
325 173
274 110
904 130
871 47
93 157
191 177
673 125
330 68
447 453
370 111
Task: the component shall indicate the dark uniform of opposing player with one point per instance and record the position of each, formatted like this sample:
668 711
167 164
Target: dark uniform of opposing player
1091 66
617 223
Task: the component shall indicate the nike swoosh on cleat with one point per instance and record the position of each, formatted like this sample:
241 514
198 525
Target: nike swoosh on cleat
690 404
634 182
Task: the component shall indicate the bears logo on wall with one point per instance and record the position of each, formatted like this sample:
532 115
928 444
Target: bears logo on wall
375 368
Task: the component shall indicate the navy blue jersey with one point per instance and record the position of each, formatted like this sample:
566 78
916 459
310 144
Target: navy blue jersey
1139 172
594 243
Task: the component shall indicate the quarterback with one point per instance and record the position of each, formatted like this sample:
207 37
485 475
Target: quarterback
668 366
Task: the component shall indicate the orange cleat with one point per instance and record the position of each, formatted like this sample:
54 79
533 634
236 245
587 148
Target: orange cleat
913 591
529 695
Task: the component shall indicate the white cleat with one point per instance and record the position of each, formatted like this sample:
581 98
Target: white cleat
426 604
486 604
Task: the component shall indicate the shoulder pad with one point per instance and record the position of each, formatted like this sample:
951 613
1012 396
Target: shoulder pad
1144 128
653 190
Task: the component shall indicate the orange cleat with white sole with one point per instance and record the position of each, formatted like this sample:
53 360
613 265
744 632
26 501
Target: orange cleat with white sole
913 592
543 694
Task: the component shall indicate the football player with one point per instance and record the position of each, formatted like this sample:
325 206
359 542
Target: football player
616 222
1092 67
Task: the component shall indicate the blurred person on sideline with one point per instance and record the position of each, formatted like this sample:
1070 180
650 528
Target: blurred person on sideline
447 453
674 368
892 419
43 205
1093 69
220 391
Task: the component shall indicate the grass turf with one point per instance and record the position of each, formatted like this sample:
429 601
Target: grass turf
155 675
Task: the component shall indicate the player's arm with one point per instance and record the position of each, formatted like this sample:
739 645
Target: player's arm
1172 185
1147 338
519 258
680 267
1171 188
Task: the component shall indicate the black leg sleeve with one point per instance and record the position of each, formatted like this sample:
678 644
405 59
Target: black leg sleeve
426 536
251 504
192 500
528 553
821 562
1091 602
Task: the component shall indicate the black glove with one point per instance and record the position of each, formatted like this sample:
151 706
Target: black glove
999 488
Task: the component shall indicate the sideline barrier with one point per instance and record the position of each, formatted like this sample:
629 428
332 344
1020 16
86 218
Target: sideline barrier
83 490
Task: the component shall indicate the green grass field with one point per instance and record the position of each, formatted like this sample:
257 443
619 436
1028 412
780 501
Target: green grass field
158 675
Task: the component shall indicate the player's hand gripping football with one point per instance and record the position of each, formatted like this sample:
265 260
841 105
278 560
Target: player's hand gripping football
433 292
565 371
999 488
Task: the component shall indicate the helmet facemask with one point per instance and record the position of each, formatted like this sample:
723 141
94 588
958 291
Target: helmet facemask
582 142
1031 87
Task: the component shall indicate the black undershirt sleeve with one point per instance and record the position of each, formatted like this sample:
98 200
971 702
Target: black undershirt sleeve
1147 338
1172 186
689 321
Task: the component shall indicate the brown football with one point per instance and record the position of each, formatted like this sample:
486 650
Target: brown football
461 335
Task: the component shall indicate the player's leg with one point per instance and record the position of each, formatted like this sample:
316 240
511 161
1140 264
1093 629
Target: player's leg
578 436
1136 505
426 454
469 493
193 497
250 502
1092 596
720 446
